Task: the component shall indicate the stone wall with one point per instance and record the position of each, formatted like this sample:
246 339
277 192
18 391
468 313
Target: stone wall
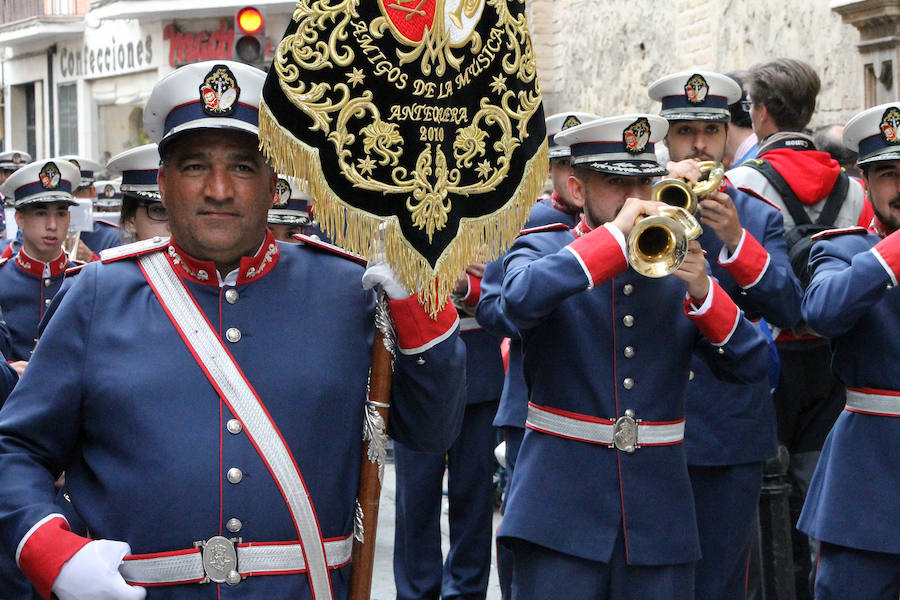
600 55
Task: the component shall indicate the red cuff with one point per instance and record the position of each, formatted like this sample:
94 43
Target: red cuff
46 550
474 294
719 321
888 252
600 255
416 330
751 262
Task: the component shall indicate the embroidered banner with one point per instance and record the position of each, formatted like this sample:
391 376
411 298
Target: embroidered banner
423 114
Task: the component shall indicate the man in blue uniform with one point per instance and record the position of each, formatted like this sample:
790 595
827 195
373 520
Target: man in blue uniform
418 570
560 207
289 214
853 299
182 412
726 442
105 233
42 192
10 162
600 505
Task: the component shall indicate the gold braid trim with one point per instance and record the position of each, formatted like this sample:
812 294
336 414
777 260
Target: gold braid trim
479 239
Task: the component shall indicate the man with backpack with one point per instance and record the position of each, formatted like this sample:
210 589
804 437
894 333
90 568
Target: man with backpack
814 194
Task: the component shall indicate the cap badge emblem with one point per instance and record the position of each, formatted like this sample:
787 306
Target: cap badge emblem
50 176
695 89
571 121
219 92
890 125
16 158
109 191
636 136
282 193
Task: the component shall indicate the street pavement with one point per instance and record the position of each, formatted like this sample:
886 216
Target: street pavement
383 576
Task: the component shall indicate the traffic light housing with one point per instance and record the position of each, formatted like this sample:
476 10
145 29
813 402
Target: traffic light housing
249 36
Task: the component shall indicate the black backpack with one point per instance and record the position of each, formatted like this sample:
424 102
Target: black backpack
799 237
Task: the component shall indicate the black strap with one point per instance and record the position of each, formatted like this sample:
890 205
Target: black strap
833 202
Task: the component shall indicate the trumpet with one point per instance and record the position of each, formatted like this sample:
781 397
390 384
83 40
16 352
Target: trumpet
677 192
657 245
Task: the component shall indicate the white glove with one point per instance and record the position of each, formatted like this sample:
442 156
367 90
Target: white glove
93 574
379 272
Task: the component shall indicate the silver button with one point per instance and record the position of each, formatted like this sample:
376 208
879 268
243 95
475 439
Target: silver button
628 289
420 361
628 383
629 351
628 320
48 281
234 426
233 334
235 475
47 302
720 350
231 296
233 525
233 577
691 376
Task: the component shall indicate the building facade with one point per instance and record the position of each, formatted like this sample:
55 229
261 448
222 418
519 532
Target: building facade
76 73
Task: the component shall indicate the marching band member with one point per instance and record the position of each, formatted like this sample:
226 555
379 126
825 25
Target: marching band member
208 452
42 192
600 505
289 214
560 207
853 299
143 215
727 442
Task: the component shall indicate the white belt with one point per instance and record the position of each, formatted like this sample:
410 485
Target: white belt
885 403
625 433
220 554
468 324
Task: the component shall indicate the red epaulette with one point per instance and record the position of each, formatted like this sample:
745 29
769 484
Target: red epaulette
542 228
756 194
131 250
71 271
829 233
105 222
316 243
4 260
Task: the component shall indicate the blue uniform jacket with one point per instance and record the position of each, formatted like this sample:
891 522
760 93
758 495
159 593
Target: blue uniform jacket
854 300
113 397
729 423
484 366
575 497
105 235
514 400
8 376
24 296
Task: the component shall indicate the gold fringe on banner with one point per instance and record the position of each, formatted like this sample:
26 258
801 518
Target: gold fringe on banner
478 240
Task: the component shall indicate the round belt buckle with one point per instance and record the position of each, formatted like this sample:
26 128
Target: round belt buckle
219 559
625 432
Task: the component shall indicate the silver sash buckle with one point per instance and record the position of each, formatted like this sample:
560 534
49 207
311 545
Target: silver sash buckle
625 432
220 560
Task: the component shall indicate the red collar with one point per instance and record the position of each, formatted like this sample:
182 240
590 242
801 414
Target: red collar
557 202
35 267
878 228
204 272
582 228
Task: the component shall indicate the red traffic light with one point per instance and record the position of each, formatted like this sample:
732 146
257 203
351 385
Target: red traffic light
249 20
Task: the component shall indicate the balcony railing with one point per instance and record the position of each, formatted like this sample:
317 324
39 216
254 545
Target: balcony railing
17 10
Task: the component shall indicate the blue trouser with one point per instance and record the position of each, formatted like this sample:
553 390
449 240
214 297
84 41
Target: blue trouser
513 437
726 498
851 574
540 573
418 573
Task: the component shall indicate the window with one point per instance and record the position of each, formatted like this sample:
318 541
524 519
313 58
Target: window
67 101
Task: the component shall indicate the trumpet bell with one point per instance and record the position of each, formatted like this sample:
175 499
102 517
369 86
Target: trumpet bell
675 192
657 245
